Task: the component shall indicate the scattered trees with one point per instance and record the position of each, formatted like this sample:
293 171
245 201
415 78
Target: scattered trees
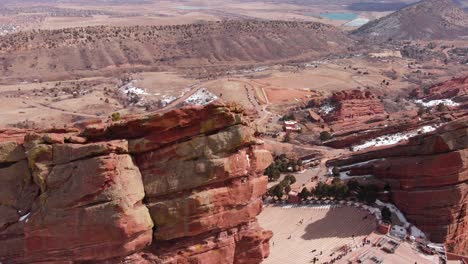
282 164
273 172
337 190
290 179
282 188
304 194
367 193
353 185
386 214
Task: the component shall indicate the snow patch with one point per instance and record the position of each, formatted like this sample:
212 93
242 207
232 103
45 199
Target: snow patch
344 175
167 99
416 232
25 217
432 103
394 138
357 22
326 109
201 97
130 88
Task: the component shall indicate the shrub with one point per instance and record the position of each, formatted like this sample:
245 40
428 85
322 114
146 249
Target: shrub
336 171
116 116
353 185
442 107
368 194
304 194
386 214
290 179
325 135
272 172
276 191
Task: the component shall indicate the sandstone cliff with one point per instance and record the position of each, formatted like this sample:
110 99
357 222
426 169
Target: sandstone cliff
354 104
428 177
179 187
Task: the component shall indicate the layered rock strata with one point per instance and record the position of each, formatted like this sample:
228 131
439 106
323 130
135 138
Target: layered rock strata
179 187
428 176
354 104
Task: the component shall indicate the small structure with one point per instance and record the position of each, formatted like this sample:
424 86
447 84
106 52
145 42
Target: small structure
291 126
398 231
383 228
293 197
391 246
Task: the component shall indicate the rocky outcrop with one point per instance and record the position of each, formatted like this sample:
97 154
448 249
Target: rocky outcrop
455 89
353 104
446 90
179 187
428 177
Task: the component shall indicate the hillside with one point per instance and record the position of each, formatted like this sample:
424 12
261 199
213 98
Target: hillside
54 53
427 19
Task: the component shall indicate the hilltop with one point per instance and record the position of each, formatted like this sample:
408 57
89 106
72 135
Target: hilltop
67 52
427 19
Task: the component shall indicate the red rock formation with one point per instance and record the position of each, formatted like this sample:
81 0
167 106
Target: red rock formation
353 104
180 187
444 90
428 177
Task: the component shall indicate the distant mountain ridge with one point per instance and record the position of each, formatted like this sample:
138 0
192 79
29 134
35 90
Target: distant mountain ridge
89 50
427 19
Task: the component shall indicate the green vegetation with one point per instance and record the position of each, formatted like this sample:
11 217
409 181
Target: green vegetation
282 164
386 214
337 190
325 135
353 185
367 193
442 108
116 116
304 194
273 172
336 171
287 117
282 188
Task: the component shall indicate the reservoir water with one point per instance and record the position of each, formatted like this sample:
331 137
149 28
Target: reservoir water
339 16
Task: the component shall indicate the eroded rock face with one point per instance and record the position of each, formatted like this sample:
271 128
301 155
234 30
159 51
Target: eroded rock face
354 104
451 89
428 177
180 187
